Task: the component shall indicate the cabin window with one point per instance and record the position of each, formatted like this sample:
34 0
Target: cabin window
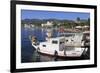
61 42
44 45
72 40
66 40
54 42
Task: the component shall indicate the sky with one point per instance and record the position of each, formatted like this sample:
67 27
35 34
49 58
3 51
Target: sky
36 14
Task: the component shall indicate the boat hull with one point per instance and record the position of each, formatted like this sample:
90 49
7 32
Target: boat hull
62 57
64 54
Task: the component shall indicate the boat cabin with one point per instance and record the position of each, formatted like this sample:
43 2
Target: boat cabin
54 43
61 43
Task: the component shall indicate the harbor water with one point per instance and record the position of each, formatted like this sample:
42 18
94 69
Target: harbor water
29 54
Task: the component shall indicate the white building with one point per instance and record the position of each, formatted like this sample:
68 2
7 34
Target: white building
48 24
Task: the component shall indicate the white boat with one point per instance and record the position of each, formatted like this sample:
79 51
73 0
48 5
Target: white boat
63 46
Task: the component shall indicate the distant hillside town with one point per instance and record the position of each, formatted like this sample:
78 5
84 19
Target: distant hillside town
46 23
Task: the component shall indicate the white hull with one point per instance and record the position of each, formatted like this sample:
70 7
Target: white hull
76 52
